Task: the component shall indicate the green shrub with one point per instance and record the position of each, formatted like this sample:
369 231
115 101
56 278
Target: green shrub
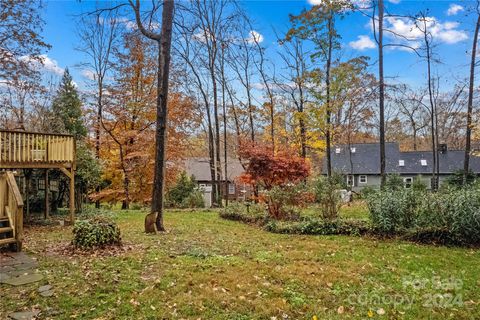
419 185
184 194
96 232
328 196
366 191
449 216
394 182
392 211
236 211
193 200
283 201
456 179
454 212
315 226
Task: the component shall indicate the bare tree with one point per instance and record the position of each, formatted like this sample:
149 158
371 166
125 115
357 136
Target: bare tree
411 107
378 34
98 34
262 70
423 23
294 83
242 61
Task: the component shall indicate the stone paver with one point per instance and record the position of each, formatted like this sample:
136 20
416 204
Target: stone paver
23 279
45 288
18 269
24 315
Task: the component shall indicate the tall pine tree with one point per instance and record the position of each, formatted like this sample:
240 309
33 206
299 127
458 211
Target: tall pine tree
67 109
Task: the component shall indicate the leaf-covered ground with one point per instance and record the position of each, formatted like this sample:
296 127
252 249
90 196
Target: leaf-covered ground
205 267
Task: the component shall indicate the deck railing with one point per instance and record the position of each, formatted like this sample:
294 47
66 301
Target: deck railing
18 147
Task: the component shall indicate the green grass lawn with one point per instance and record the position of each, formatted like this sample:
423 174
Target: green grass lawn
205 267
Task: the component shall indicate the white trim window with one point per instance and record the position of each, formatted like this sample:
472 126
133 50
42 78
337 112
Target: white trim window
407 182
362 179
231 188
423 162
401 163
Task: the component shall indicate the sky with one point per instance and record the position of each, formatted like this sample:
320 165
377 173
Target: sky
452 29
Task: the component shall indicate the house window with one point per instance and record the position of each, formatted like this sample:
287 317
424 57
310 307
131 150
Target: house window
54 185
353 149
231 188
350 181
363 179
41 184
407 182
337 150
401 163
423 162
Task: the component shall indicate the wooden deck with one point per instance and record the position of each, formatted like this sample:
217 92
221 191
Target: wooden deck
30 150
23 150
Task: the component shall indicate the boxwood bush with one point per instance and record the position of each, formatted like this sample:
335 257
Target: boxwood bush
96 232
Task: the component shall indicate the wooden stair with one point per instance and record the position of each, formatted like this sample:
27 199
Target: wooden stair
11 212
6 231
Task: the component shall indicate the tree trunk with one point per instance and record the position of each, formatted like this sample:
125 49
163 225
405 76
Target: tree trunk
468 138
224 109
218 164
164 44
97 133
327 82
381 93
432 116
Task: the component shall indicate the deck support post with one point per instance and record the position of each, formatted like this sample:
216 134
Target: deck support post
72 195
47 199
71 175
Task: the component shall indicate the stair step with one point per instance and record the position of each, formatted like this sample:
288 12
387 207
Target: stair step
6 229
7 241
2 219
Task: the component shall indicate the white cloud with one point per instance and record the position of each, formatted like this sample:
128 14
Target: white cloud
202 36
404 30
394 1
254 36
363 42
132 25
89 74
315 2
454 9
47 64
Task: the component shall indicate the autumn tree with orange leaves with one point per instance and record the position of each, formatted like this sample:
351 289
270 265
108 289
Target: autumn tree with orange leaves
129 122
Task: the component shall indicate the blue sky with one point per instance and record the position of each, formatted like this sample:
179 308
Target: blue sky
453 34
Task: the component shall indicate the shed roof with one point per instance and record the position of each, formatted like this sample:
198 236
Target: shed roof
200 168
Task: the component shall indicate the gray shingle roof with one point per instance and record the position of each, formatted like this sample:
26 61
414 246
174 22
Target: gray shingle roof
200 168
366 160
